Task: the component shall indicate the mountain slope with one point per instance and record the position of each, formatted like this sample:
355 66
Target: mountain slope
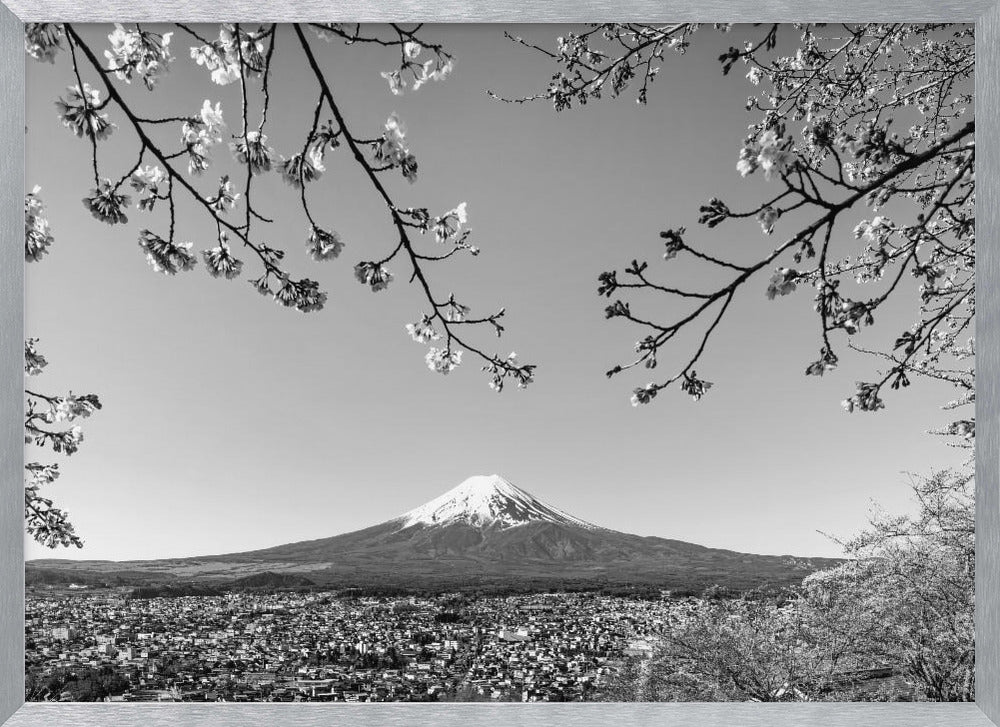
486 527
488 530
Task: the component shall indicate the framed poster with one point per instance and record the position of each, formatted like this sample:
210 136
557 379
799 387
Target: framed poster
341 485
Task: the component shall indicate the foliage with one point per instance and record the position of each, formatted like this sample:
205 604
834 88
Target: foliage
50 421
868 126
910 589
79 684
902 605
743 648
98 105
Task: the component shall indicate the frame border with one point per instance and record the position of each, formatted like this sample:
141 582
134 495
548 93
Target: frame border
984 713
506 11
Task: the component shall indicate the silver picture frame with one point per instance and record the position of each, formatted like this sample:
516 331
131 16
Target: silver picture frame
14 712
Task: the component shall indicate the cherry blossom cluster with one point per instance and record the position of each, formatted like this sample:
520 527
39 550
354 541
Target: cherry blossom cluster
37 235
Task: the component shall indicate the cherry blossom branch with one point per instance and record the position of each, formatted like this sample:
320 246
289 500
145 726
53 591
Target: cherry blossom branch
236 56
934 168
500 368
588 70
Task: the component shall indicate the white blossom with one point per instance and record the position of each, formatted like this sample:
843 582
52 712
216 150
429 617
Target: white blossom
147 177
422 331
220 260
875 231
211 116
748 161
323 245
449 224
443 360
252 150
395 79
373 275
432 71
767 217
775 158
134 53
644 394
43 40
391 149
37 237
499 370
456 312
325 31
106 205
198 138
221 58
782 282
296 170
80 114
165 256
225 199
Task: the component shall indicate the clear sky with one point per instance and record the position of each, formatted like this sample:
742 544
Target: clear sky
231 423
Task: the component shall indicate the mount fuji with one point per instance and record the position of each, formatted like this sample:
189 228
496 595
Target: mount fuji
485 531
488 502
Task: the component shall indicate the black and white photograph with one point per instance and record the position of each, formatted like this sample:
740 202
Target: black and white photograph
499 363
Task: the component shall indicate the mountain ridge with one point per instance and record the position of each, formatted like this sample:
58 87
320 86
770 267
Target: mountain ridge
486 529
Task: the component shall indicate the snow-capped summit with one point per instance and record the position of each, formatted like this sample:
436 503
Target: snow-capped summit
488 501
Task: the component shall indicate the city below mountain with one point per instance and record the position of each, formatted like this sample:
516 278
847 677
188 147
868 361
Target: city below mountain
485 533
